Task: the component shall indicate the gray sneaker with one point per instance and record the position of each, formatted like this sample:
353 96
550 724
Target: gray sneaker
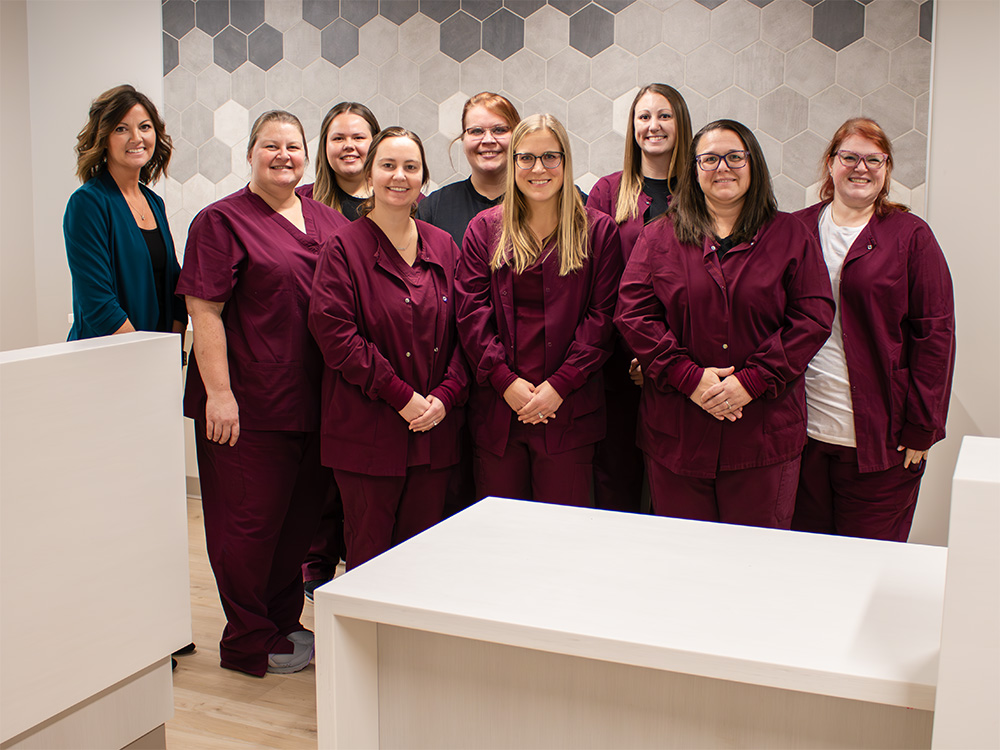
297 660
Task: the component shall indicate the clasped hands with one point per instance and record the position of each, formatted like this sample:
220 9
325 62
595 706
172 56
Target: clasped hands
721 394
534 404
423 413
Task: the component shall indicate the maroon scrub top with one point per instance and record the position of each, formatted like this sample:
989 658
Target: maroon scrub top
379 349
604 197
578 333
766 308
897 314
243 253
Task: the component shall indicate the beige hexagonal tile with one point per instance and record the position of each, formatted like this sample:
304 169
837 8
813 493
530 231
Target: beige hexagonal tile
419 38
620 109
199 191
735 24
481 72
709 69
378 40
613 71
890 23
523 74
686 26
450 115
759 68
567 73
810 67
301 44
786 23
911 67
862 67
546 32
637 28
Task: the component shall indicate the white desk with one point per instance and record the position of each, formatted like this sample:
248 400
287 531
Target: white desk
517 624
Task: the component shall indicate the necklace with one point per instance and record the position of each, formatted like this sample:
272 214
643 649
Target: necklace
409 238
142 216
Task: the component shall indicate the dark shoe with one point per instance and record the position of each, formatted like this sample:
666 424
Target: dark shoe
310 586
188 649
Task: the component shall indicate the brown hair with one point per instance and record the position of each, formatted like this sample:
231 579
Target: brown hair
517 245
275 115
689 211
394 132
325 188
106 112
631 184
495 103
872 131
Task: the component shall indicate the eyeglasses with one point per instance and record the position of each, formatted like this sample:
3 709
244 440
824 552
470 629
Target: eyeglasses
496 130
711 162
550 159
851 159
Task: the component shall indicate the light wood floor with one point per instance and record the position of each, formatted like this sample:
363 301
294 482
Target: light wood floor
217 708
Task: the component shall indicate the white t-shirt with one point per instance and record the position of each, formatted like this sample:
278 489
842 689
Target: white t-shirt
828 387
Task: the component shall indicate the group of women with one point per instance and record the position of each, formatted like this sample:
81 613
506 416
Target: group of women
350 337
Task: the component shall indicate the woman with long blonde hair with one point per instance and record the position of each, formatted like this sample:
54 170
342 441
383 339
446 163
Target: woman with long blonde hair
536 289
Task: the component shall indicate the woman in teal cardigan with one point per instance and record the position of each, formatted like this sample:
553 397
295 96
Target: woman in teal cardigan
118 244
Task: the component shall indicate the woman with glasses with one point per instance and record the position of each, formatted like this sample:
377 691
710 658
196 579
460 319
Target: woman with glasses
657 138
536 291
724 302
877 392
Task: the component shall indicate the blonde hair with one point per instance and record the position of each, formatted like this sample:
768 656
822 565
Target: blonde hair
517 245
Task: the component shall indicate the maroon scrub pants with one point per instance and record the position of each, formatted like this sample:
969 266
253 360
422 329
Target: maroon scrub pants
527 471
835 498
381 512
618 465
328 547
261 499
762 496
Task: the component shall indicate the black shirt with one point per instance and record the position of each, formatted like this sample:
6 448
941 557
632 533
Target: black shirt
158 257
659 193
452 207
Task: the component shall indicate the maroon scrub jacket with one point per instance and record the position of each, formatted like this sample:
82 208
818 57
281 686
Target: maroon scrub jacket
362 317
766 308
578 333
604 197
898 320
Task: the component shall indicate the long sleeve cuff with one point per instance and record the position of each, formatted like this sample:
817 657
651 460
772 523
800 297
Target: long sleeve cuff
397 394
501 378
684 376
916 438
752 381
566 380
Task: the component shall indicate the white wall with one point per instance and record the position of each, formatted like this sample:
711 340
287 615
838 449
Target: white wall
963 209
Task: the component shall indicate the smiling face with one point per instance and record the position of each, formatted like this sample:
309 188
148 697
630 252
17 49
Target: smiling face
278 157
539 185
347 142
397 173
856 187
725 188
655 130
487 155
132 142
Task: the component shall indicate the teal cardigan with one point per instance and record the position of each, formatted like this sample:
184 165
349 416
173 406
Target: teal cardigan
109 261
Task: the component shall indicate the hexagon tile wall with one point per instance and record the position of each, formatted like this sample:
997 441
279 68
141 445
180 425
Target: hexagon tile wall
792 70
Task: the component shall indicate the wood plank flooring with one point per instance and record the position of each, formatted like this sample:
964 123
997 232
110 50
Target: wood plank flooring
218 709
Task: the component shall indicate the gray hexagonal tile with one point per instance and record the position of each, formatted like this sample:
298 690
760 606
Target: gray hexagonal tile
863 67
734 104
711 4
524 74
213 87
545 102
173 194
910 159
637 28
921 117
419 38
171 120
399 11
830 108
568 73
547 33
283 14
397 79
378 40
302 44
524 8
211 16
480 73
320 13
229 49
265 47
358 81
759 68
213 160
801 157
450 115
461 36
180 89
264 105
613 72
911 67
503 34
761 3
171 56
358 12
569 7
420 115
592 30
247 85
786 23
481 9
661 64
735 25
439 10
771 150
195 51
686 26
579 151
709 69
437 148
791 196
231 123
589 115
183 160
615 6
238 160
339 42
228 185
178 17
890 23
284 83
310 116
697 107
246 15
620 108
320 81
197 124
439 77
891 108
926 19
810 67
783 113
838 23
606 154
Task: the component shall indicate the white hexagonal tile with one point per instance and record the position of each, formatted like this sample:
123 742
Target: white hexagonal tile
662 64
783 113
523 74
590 115
419 38
195 51
580 155
248 85
586 181
709 69
734 104
229 185
812 193
302 44
620 109
890 23
637 28
180 89
801 157
568 73
358 80
759 68
199 191
213 86
173 194
899 193
547 32
911 67
613 71
398 79
791 196
735 24
439 161
264 105
439 77
419 114
480 72
171 119
284 83
810 67
450 110
606 154
232 122
862 67
378 40
238 160
213 160
686 26
321 82
891 108
830 108
918 200
180 221
786 23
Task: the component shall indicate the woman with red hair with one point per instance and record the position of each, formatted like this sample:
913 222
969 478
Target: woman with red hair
877 392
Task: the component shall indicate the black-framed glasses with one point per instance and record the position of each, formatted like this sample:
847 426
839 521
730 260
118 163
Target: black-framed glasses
550 159
734 160
497 131
851 159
